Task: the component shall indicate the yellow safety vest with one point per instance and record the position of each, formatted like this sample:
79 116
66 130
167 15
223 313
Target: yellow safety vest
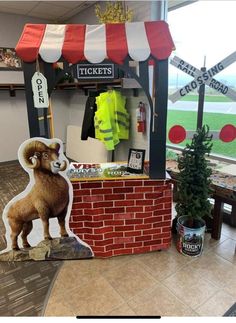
111 119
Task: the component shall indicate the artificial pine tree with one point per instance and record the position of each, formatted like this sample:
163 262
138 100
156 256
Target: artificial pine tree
194 178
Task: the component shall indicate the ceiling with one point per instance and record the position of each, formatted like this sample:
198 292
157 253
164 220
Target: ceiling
55 11
58 11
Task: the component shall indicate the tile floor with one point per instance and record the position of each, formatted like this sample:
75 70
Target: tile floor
162 283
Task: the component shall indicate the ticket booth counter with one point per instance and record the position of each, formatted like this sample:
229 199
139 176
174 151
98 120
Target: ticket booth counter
122 215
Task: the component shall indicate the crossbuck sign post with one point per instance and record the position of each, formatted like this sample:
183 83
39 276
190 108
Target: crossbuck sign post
203 77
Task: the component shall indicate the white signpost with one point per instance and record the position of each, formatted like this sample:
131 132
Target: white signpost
203 77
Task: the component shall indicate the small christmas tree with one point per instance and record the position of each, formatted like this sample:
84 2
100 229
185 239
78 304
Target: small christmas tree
194 178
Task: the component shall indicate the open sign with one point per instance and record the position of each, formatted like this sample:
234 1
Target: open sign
40 90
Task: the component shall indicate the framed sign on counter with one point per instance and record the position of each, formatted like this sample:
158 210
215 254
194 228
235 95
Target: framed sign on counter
136 161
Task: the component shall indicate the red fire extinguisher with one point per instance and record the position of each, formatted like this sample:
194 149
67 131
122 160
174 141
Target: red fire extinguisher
141 117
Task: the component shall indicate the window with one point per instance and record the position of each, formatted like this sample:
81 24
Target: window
203 35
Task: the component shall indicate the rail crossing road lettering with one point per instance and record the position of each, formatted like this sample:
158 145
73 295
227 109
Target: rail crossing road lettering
203 77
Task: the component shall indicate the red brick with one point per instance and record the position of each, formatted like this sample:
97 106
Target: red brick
168 205
133 233
113 184
115 246
134 221
166 229
102 204
93 224
75 185
152 243
141 249
98 248
159 206
144 202
114 210
102 230
101 191
164 235
77 212
150 208
81 192
113 235
143 189
143 238
167 217
133 183
94 211
91 185
143 215
124 228
83 230
123 240
161 224
104 242
152 231
143 226
82 206
93 236
122 252
153 195
153 219
93 198
133 244
114 222
101 217
168 193
114 197
124 203
153 183
123 190
163 212
134 196
134 209
81 218
103 254
127 215
77 199
164 200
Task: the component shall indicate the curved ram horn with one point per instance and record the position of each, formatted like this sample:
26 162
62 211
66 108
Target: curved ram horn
55 146
32 152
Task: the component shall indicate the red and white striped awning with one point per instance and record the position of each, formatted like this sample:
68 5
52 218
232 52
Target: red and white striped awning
95 43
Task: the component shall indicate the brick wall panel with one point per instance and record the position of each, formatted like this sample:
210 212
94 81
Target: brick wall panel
122 217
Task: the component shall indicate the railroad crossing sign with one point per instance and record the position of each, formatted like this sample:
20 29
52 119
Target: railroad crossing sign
201 77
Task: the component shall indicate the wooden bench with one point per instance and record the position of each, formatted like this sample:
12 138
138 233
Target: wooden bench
224 191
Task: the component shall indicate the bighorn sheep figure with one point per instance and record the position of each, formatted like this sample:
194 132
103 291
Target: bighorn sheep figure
48 197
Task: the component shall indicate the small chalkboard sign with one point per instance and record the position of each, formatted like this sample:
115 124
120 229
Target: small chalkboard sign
136 161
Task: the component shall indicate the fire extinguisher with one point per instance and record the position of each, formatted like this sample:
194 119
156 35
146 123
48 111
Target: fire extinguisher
141 117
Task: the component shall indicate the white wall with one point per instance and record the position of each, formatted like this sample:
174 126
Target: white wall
13 124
